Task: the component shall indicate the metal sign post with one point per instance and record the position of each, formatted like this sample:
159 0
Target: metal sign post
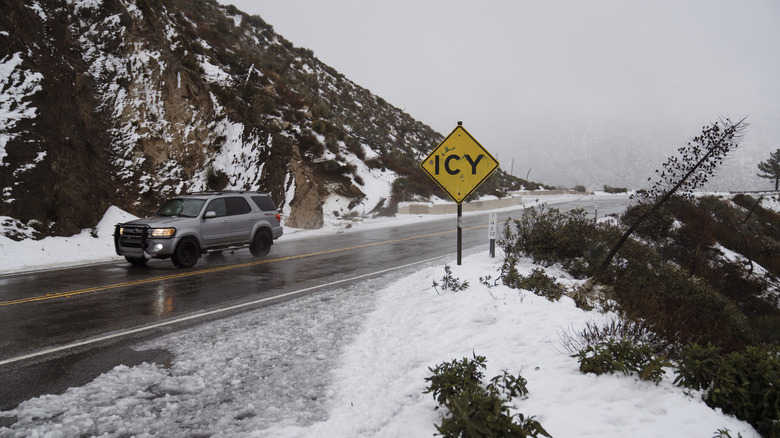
459 164
460 231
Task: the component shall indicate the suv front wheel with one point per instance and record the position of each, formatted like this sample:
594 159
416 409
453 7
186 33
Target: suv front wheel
187 253
137 261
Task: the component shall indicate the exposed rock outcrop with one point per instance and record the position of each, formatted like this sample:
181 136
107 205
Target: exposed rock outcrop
306 204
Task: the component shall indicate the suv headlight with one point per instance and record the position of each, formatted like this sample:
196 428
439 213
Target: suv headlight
162 233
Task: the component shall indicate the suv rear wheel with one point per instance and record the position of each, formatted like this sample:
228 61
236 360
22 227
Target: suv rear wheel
187 253
261 244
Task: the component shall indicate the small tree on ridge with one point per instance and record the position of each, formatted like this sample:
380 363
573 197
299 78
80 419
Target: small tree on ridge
771 168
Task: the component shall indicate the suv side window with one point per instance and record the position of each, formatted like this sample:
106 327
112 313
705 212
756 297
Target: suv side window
218 206
264 202
237 205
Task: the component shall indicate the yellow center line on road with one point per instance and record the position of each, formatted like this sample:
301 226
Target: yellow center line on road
218 269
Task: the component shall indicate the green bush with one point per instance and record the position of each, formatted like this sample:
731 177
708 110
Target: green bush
620 328
216 179
450 282
610 189
475 409
547 235
354 146
508 272
724 433
745 384
768 328
538 283
190 63
307 142
680 308
697 366
622 356
451 379
658 225
319 126
748 386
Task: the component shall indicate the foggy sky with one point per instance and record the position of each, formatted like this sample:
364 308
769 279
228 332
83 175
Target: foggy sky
571 89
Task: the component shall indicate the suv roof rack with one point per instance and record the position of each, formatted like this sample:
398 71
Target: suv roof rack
219 192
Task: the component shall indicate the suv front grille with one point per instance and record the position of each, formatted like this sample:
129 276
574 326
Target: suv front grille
131 237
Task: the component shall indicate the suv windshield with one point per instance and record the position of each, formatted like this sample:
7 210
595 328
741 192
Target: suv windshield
181 207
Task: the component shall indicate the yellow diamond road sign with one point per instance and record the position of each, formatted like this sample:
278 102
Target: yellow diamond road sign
459 164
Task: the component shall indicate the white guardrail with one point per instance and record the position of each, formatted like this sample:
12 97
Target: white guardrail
490 204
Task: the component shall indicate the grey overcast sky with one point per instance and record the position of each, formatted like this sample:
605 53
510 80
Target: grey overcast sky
518 71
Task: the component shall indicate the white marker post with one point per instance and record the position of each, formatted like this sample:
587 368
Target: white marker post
492 231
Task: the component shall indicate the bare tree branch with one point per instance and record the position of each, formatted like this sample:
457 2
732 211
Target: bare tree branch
692 168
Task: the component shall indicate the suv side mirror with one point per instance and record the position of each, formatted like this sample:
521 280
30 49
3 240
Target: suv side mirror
210 214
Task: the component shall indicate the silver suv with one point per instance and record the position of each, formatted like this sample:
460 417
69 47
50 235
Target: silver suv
190 225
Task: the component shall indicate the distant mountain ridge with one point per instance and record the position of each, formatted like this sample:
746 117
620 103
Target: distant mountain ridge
119 102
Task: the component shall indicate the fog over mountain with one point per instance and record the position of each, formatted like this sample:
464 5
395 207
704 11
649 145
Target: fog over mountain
591 93
597 153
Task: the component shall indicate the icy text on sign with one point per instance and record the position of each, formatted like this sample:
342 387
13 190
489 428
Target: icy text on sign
459 164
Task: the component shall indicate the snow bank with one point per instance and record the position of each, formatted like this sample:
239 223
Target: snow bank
89 246
352 363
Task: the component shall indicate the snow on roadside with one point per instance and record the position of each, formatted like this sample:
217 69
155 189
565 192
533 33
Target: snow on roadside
380 383
352 363
229 378
89 246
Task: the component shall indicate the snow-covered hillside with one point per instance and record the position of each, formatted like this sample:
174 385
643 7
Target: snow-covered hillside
126 103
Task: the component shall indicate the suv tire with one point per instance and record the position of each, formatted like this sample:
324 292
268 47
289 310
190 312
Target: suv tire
261 244
187 253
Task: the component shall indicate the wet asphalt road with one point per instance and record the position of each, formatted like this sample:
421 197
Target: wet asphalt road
44 316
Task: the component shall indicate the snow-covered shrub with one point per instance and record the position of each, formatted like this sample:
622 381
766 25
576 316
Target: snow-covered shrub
550 236
450 282
539 283
547 235
745 383
622 356
615 328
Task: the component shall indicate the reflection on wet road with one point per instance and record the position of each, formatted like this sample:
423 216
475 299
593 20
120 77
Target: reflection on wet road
56 308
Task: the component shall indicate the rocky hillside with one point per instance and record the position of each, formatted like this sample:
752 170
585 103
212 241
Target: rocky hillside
127 102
